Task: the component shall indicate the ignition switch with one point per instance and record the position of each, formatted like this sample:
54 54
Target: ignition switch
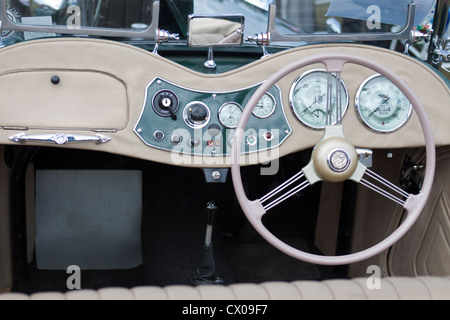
165 103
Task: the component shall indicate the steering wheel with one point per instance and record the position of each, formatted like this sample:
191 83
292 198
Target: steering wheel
334 159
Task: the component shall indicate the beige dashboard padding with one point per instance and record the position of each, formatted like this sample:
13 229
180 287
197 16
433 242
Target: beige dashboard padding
81 99
137 68
425 249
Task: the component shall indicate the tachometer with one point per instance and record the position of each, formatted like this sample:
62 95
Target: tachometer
265 107
381 105
308 98
229 114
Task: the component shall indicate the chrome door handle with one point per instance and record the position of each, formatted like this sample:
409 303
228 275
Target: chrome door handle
59 138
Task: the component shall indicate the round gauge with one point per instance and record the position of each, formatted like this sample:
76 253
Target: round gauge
381 105
308 98
265 107
230 114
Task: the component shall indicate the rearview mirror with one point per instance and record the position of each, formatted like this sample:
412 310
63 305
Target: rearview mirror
215 31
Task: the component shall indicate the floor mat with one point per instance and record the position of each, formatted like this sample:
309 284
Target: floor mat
260 261
88 218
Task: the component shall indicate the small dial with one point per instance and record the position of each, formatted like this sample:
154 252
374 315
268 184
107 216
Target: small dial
265 107
381 105
309 98
230 114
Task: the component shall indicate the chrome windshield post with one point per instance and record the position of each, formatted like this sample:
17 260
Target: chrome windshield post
437 51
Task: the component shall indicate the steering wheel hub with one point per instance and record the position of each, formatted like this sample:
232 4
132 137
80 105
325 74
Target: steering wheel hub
335 159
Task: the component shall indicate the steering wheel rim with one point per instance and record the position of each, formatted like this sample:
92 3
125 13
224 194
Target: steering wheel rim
254 211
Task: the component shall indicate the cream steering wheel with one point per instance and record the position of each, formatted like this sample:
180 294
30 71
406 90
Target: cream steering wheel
334 159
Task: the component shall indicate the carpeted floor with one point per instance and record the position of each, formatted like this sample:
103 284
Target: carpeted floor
173 231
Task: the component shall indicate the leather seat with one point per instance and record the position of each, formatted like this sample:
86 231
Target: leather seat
390 288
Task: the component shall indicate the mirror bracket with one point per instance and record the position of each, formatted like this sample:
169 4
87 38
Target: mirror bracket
163 36
210 63
262 39
209 31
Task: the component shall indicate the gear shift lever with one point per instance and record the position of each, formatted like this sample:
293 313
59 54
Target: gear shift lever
206 272
211 209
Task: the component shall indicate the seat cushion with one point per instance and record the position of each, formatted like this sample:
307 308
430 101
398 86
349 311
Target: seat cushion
390 288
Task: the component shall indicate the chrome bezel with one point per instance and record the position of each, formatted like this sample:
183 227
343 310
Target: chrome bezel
361 118
154 103
331 164
291 94
194 125
220 111
273 109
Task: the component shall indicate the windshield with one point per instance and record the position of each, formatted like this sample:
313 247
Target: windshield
292 16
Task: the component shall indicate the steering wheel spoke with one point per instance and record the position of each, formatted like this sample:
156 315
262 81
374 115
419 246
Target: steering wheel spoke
280 194
384 187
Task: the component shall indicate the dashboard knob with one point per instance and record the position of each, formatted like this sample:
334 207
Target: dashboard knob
195 142
198 113
176 139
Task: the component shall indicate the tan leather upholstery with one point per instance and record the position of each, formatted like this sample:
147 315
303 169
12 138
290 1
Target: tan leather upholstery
425 249
394 288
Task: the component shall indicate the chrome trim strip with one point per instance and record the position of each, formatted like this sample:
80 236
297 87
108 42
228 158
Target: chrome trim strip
59 138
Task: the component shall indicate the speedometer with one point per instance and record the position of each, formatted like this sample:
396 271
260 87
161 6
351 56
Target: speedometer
230 114
309 97
381 105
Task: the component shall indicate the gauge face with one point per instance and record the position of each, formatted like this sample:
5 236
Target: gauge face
230 114
265 107
308 98
381 105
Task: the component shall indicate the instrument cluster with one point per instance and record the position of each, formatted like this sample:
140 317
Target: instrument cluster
195 122
318 98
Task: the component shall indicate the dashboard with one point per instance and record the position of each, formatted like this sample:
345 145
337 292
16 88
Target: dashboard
144 105
190 121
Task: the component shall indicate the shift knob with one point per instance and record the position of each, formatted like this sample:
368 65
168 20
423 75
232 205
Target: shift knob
211 209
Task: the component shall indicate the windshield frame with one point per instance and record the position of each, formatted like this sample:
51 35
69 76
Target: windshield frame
150 33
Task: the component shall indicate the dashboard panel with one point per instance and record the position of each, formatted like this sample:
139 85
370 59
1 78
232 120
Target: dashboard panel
188 121
117 85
